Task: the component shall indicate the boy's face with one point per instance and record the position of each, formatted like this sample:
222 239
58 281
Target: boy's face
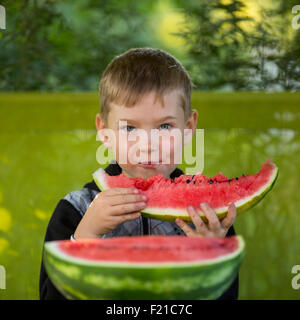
132 143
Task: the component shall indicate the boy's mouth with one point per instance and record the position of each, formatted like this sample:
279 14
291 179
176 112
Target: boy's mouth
149 164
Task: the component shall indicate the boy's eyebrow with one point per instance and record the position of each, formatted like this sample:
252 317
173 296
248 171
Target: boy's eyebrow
167 118
159 120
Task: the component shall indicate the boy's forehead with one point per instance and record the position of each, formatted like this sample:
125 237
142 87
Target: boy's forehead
149 109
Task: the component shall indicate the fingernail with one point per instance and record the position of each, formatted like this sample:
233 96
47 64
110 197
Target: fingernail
144 197
203 204
191 207
136 191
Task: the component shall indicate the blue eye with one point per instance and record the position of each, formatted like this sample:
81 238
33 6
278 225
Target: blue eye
163 126
128 128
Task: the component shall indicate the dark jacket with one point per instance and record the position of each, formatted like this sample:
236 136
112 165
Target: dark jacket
70 210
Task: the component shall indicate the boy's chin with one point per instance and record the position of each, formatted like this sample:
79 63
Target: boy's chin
147 171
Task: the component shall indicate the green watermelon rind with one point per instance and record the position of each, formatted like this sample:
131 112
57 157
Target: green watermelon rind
170 214
84 279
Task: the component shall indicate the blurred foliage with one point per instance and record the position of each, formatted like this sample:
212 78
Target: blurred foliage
65 45
217 42
231 50
60 45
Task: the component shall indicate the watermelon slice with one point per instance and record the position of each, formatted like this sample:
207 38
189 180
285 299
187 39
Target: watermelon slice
144 267
168 199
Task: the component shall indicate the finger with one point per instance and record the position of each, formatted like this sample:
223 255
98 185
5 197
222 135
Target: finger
127 208
118 191
227 222
128 217
197 220
190 232
126 198
213 221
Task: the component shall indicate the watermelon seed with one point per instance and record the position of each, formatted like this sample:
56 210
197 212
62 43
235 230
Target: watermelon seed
236 178
188 181
211 181
194 182
229 180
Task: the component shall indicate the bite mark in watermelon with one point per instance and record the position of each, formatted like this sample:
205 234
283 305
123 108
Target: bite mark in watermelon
144 267
168 199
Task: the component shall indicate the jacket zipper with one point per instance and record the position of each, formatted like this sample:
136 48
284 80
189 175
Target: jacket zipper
145 226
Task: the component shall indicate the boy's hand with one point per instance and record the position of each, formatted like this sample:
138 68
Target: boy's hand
109 209
214 228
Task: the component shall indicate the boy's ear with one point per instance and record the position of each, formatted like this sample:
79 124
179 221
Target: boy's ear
103 134
191 125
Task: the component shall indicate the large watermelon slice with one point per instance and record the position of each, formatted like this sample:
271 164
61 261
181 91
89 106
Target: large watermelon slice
144 267
168 199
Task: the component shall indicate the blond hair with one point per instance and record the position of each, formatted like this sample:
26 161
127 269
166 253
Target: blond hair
143 70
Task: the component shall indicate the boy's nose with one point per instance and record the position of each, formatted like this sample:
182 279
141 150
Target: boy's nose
149 147
147 141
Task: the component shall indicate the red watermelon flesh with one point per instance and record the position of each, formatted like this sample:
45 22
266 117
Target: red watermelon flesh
168 199
151 249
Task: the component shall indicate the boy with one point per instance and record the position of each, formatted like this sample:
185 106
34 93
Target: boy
149 89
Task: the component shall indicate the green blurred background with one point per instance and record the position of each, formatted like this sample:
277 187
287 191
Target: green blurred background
242 56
